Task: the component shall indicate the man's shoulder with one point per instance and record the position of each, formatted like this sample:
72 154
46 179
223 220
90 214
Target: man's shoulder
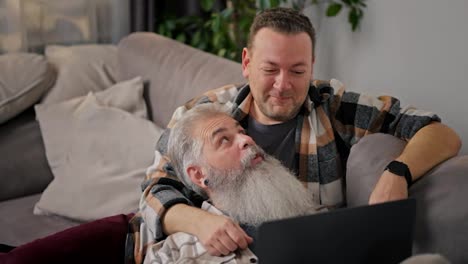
221 94
323 92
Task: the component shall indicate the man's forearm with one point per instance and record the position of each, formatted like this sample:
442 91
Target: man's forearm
219 234
430 146
182 218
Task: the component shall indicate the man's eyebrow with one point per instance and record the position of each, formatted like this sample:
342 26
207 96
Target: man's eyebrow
222 129
299 64
294 65
218 131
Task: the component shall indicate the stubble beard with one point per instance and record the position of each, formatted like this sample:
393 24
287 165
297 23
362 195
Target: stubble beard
281 113
253 195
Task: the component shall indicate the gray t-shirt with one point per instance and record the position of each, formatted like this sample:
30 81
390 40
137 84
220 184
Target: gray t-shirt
277 140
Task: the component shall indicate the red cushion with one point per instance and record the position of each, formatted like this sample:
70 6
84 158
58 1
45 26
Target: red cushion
100 241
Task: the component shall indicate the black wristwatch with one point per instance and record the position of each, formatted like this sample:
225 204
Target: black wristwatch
400 169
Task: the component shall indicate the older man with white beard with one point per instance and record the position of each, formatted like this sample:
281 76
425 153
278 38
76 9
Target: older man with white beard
215 158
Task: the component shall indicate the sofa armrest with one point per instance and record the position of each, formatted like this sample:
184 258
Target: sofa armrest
23 164
441 225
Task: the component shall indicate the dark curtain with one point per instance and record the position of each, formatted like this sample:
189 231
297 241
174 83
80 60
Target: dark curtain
143 15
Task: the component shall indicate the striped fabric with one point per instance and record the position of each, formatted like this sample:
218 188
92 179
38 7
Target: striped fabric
328 125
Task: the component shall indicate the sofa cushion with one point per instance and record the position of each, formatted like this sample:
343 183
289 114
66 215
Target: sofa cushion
24 78
81 69
441 225
98 147
174 72
23 165
18 225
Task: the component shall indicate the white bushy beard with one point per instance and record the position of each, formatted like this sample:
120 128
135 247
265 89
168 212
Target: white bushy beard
265 192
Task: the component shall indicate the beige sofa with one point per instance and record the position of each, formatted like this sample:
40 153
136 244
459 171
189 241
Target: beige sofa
174 73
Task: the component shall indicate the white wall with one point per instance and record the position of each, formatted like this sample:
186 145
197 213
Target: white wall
415 50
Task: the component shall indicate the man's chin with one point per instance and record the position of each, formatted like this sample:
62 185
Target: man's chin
281 116
281 113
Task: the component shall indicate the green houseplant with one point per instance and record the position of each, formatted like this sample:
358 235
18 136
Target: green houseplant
224 32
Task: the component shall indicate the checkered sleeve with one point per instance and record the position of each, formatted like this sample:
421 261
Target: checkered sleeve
356 115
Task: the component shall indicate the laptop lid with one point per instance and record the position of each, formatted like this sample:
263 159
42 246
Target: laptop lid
381 233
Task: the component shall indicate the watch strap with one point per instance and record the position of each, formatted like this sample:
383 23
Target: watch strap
401 169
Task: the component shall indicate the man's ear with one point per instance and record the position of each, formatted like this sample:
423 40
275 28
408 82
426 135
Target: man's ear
196 176
245 63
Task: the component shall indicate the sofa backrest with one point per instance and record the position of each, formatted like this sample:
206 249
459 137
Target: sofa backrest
175 72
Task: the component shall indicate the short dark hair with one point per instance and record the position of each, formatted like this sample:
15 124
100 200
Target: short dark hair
283 20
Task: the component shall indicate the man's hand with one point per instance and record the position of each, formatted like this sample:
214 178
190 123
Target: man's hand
390 187
221 235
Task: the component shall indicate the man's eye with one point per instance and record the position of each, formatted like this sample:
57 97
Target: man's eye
269 71
298 72
224 140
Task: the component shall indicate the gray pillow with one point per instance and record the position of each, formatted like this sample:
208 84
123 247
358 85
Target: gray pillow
441 217
24 78
23 165
81 69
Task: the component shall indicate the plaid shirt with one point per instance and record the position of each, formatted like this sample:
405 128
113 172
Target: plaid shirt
328 125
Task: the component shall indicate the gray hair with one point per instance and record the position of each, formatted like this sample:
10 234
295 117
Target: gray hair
184 148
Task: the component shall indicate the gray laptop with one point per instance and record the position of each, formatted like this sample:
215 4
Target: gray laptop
381 233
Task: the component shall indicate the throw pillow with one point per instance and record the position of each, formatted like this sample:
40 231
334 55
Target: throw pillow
23 164
81 69
98 147
24 78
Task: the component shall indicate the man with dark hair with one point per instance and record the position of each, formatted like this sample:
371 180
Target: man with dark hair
309 125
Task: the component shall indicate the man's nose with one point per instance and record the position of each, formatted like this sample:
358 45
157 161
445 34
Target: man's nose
245 141
282 81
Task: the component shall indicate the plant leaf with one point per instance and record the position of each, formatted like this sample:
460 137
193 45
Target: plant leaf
207 5
216 23
181 37
347 2
226 13
353 18
196 38
274 3
263 4
333 9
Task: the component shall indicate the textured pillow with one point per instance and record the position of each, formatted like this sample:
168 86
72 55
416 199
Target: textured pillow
24 78
441 216
81 69
98 147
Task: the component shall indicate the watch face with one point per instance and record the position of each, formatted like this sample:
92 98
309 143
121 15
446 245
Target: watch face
398 168
395 169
